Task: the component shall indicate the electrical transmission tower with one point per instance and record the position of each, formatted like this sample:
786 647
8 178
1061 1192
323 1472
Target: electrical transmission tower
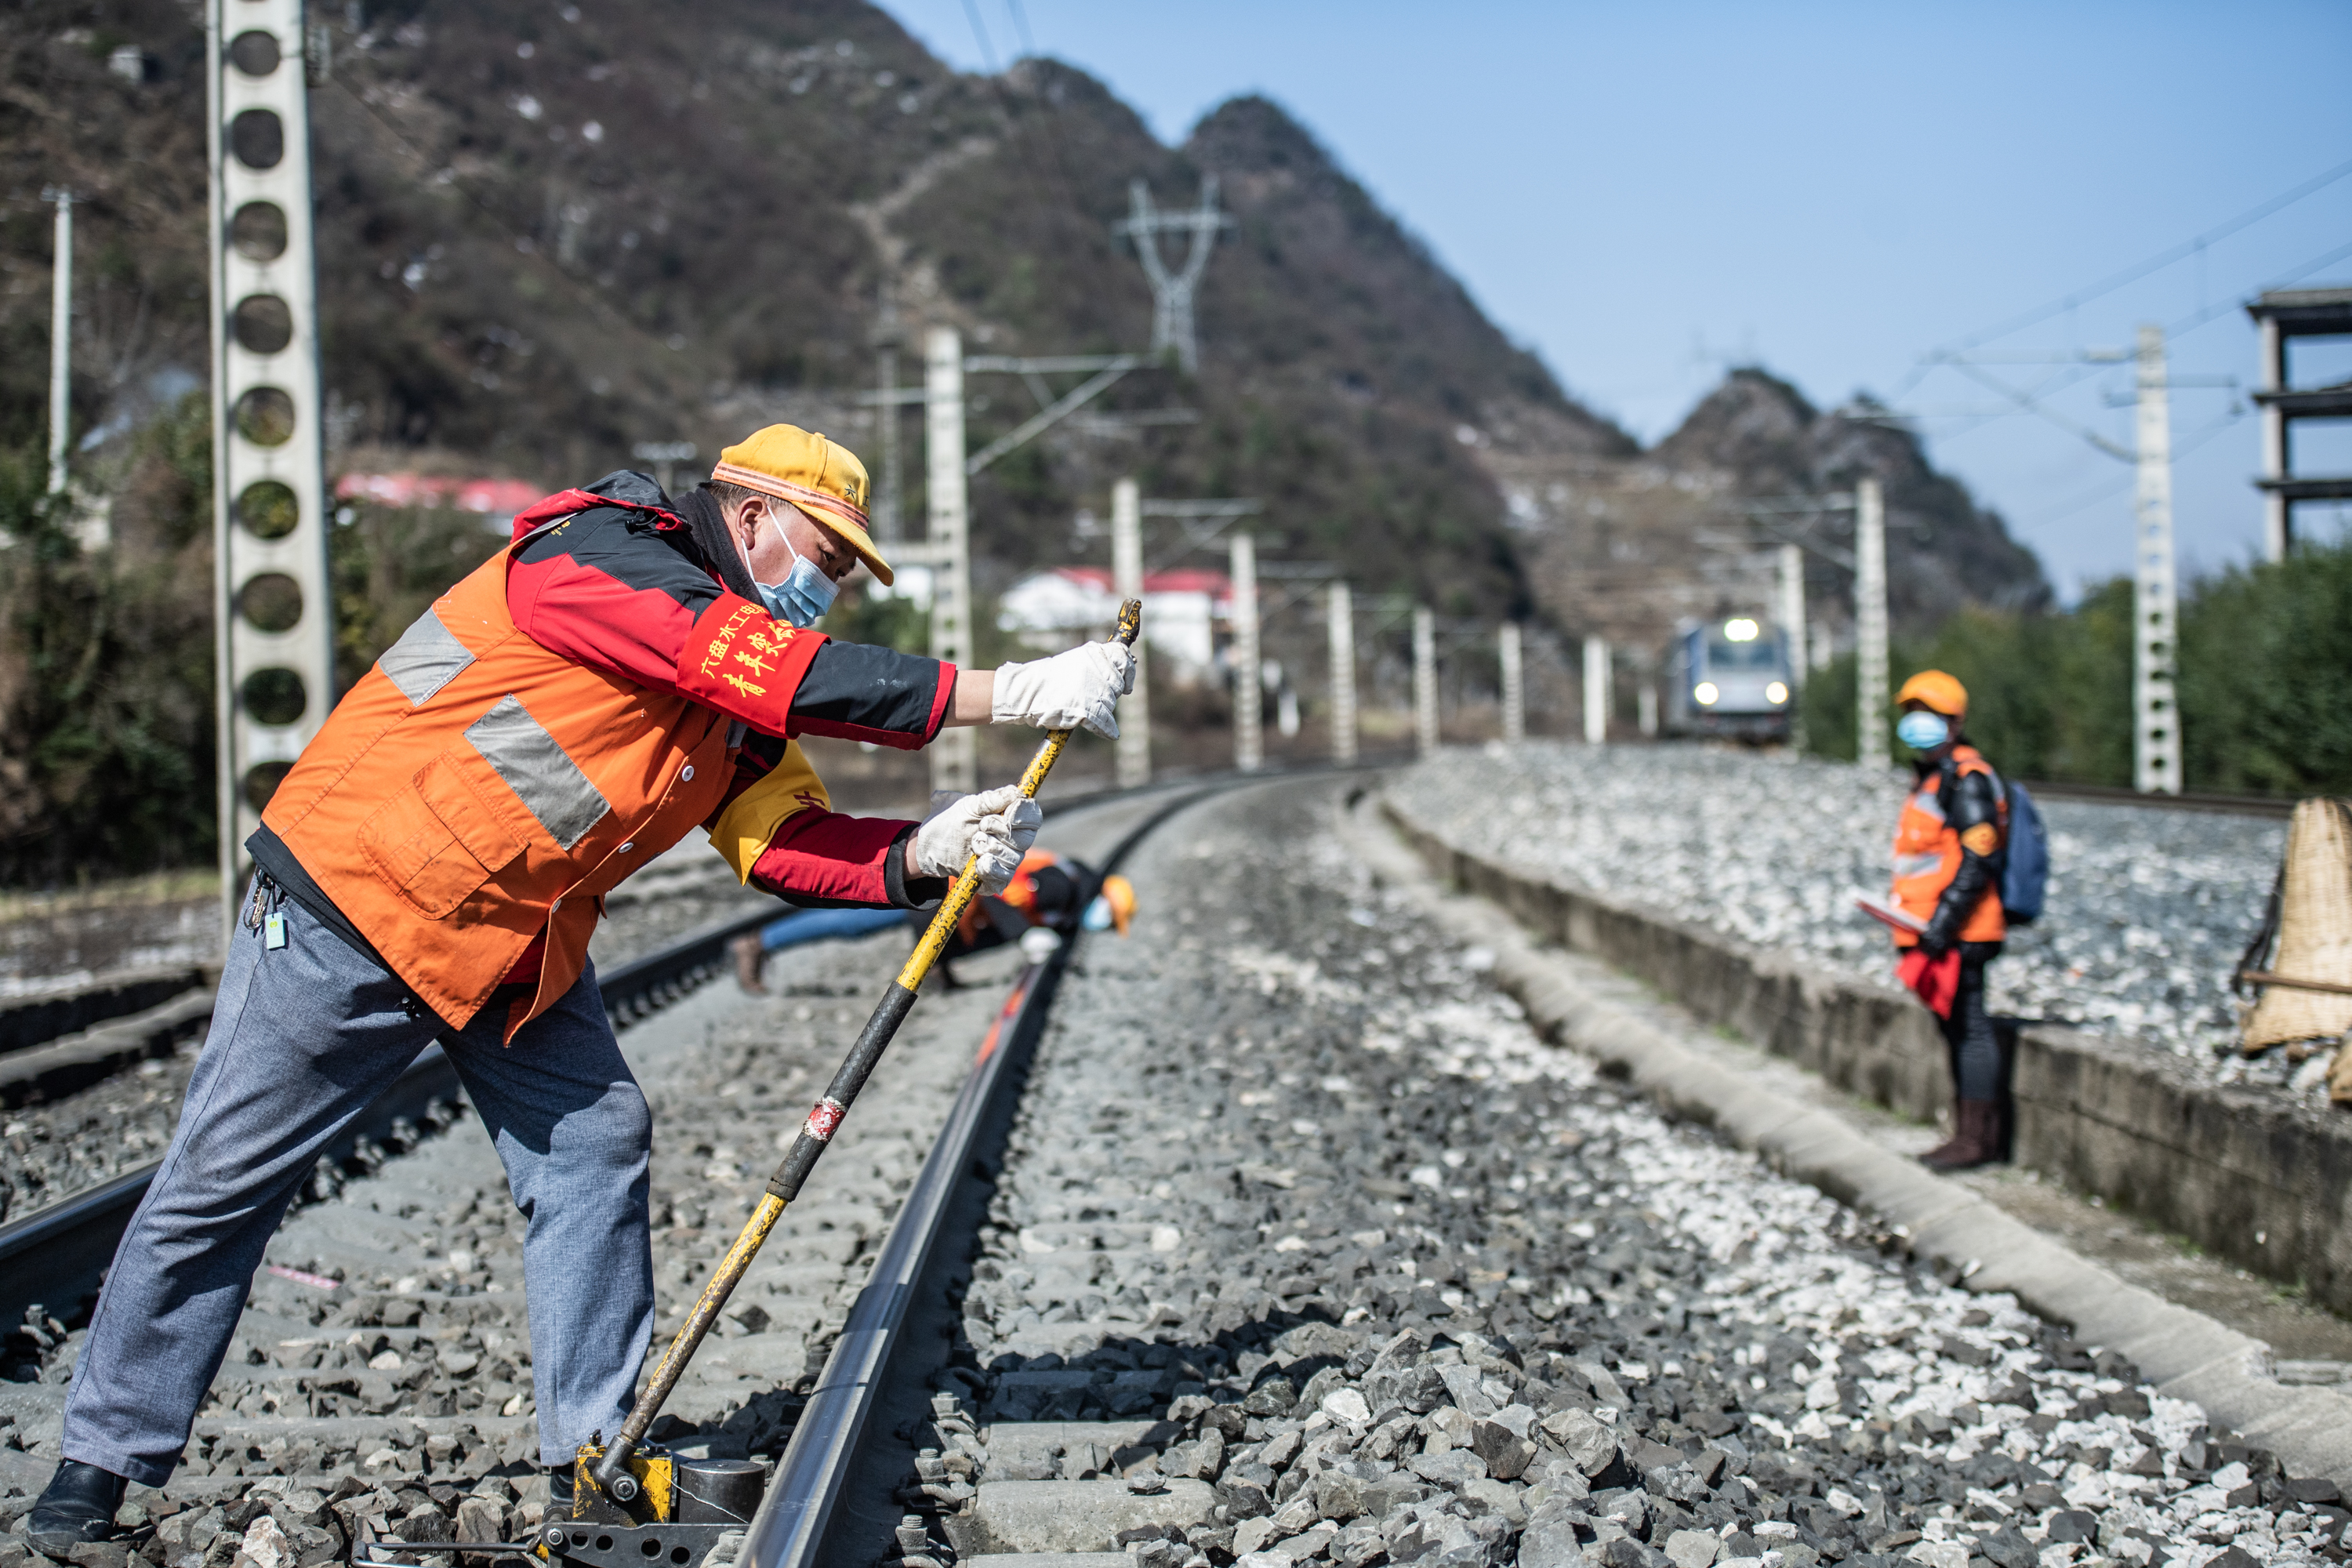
1172 293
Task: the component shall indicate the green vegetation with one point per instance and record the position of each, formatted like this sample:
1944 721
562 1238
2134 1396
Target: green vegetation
106 666
2264 653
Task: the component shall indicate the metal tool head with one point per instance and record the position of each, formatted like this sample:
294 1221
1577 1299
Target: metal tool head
1130 621
643 1488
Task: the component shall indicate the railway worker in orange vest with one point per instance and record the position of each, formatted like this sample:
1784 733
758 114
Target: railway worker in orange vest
629 668
1947 846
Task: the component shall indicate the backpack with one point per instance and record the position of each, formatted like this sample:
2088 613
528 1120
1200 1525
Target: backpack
2024 854
2025 861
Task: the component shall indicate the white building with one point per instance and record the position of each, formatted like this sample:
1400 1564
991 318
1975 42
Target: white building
1184 613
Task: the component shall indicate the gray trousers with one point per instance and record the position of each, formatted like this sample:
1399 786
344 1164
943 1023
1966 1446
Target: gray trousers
303 1038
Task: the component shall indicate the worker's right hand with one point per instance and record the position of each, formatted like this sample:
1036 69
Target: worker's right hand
996 828
1082 686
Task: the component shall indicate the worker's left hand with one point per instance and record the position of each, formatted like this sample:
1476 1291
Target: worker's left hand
1936 941
996 828
1081 686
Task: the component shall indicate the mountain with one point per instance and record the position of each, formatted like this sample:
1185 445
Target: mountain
1625 547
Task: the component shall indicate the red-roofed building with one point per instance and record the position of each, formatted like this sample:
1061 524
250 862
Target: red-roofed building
1185 612
496 499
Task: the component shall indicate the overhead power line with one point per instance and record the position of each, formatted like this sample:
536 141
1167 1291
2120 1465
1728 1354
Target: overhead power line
2139 269
2030 401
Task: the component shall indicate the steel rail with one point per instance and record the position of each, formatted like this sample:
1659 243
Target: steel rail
790 1528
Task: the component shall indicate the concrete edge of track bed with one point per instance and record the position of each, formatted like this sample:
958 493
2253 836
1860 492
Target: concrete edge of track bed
1965 1239
2245 1174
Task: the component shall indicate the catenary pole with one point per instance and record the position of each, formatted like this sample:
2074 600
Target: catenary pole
1508 654
1792 614
274 683
62 344
1249 741
1424 679
1126 583
1342 617
1870 623
955 755
1597 684
2156 726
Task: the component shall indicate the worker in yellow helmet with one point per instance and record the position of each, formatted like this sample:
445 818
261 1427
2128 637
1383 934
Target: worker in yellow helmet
630 667
1947 845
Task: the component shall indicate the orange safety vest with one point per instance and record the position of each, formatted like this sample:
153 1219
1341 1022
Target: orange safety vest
1927 853
475 792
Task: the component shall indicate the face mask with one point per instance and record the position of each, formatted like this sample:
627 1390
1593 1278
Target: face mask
805 594
1923 731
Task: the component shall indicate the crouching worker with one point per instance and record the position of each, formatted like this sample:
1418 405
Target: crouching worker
630 667
1948 848
1049 897
1047 892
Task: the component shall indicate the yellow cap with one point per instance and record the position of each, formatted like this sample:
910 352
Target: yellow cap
822 478
1939 691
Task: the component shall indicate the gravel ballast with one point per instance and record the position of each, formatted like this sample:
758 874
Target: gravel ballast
1398 1282
2147 911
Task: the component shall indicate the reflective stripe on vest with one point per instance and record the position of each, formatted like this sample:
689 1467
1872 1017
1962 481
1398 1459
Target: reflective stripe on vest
541 774
426 657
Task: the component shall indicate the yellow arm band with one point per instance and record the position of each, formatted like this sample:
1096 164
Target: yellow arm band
749 823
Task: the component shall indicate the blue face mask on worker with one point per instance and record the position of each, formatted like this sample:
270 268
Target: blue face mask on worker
805 594
1923 731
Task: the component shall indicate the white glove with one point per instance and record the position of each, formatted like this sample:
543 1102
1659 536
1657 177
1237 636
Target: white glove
996 828
1080 687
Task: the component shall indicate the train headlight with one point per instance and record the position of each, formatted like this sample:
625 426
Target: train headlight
1776 693
1706 693
1740 630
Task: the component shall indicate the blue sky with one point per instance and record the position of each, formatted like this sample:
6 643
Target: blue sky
1648 194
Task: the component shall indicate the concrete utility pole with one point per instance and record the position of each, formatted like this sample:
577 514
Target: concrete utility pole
275 681
1597 692
2156 729
1172 293
1126 583
1342 618
1515 685
1424 679
1249 741
1792 612
1870 623
955 755
61 343
1646 707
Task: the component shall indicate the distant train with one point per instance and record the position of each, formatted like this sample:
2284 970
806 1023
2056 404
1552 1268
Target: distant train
1729 679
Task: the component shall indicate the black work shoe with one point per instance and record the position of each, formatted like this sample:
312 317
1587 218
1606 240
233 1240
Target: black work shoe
562 1490
77 1506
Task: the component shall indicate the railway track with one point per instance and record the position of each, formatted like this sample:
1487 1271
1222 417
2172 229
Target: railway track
53 1257
1297 1247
